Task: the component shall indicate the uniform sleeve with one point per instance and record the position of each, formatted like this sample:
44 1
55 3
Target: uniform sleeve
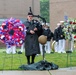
27 27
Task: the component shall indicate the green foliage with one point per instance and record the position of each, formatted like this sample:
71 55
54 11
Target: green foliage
44 9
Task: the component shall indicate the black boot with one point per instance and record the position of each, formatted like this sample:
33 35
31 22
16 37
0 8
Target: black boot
33 58
28 60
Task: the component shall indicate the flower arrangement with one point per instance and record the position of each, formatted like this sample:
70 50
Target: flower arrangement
12 32
70 29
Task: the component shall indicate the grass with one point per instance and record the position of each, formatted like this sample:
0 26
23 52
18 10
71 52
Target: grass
13 61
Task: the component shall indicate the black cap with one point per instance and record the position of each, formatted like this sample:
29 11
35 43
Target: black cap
29 13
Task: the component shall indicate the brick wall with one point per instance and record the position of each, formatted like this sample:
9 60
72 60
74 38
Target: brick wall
18 8
60 8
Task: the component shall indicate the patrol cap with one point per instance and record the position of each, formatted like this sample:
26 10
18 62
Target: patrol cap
58 24
47 24
43 23
61 22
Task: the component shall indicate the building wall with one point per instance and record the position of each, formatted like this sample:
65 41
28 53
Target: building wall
60 8
18 8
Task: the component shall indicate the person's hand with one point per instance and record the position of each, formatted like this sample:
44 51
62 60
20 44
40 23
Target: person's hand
32 32
35 29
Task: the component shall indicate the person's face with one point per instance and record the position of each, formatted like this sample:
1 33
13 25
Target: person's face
30 17
62 26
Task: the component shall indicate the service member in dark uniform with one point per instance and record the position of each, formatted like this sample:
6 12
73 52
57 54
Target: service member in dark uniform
48 33
61 38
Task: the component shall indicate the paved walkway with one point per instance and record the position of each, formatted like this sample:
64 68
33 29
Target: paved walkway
60 71
64 71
